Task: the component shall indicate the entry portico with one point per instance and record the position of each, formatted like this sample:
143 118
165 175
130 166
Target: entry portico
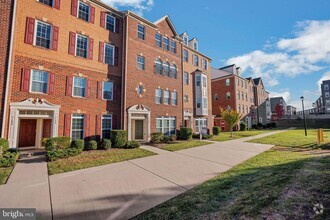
139 123
30 121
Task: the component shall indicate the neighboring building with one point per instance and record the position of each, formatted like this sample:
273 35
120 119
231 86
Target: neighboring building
82 68
325 89
318 105
291 110
277 104
231 91
262 103
197 96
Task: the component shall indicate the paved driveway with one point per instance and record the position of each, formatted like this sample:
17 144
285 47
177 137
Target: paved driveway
122 190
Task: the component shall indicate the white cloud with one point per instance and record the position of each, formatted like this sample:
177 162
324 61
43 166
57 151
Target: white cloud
138 6
326 76
284 93
302 54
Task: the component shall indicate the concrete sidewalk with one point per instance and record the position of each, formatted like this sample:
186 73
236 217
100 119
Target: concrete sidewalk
28 187
123 190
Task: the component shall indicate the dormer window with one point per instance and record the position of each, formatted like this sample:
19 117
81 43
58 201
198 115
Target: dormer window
185 39
195 45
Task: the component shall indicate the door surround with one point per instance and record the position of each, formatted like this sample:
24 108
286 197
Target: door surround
31 109
139 112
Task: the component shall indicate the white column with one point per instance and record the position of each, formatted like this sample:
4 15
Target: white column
39 132
129 131
148 132
55 123
13 128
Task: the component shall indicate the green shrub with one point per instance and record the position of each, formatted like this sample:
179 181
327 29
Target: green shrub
8 159
216 130
57 143
132 144
105 144
4 145
242 126
44 141
204 136
166 139
62 153
118 138
173 137
91 145
78 144
156 138
185 133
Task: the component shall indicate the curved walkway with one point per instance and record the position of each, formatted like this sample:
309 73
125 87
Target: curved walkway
123 190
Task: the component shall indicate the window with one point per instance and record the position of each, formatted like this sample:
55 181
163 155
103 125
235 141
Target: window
111 23
227 82
166 97
198 80
158 67
39 81
83 11
239 108
166 125
140 63
195 45
166 43
174 72
326 94
77 127
166 69
243 109
81 48
186 78
204 102
242 83
239 94
173 46
141 32
204 81
109 52
204 64
238 82
43 36
228 95
198 102
242 95
47 2
246 98
195 60
185 40
158 96
108 90
200 122
174 98
158 40
326 87
106 126
247 110
185 55
79 86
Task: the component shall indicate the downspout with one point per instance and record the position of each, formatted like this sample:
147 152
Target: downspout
125 72
8 70
182 85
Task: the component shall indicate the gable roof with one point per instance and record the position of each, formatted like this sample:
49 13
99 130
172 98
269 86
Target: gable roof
225 67
170 23
257 81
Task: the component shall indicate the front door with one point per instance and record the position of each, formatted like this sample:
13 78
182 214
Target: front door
138 129
27 132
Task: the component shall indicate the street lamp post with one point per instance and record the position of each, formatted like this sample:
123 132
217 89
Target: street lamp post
303 107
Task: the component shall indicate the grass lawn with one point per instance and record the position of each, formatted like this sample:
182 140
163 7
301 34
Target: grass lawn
293 138
181 145
4 174
225 136
95 158
282 183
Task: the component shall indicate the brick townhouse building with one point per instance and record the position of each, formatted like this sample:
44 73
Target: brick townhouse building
81 68
232 91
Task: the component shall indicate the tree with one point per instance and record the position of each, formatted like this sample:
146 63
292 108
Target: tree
232 118
279 109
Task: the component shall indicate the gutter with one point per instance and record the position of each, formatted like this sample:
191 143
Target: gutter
125 18
8 71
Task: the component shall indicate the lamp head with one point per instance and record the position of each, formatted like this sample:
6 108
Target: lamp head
302 98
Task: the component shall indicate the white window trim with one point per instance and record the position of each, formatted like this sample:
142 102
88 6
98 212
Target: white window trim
161 40
107 116
169 125
113 54
185 60
31 79
169 42
115 22
89 10
204 61
103 92
144 33
71 130
161 96
169 97
87 48
73 87
195 42
137 62
176 99
35 34
186 40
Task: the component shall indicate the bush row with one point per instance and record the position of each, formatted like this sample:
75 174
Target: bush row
157 138
8 157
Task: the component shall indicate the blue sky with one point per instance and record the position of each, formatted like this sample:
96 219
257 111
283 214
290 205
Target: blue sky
287 42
